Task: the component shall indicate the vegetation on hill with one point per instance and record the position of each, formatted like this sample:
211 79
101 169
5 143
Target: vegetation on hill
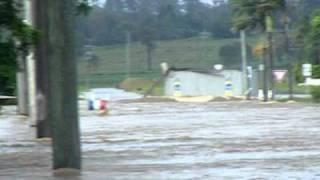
110 66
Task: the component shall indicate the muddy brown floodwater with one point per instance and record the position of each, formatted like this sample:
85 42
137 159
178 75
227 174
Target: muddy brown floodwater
169 140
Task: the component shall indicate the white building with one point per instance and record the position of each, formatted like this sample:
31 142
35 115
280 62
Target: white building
202 83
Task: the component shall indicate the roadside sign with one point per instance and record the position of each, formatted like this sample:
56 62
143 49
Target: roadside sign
307 70
279 74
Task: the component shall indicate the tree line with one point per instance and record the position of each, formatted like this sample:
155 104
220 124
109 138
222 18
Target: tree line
150 20
153 19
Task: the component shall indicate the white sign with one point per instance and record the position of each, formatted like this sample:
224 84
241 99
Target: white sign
306 70
279 74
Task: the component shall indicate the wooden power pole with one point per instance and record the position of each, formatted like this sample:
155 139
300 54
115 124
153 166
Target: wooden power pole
62 95
43 123
269 30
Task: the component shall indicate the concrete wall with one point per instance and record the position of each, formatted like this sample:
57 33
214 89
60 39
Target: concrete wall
236 78
200 84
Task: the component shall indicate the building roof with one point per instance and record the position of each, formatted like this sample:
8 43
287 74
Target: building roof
201 71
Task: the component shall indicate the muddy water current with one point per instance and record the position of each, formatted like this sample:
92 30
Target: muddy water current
169 140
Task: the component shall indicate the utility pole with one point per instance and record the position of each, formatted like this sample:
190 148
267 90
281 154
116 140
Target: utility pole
287 44
128 60
62 96
269 25
244 64
265 76
290 65
42 121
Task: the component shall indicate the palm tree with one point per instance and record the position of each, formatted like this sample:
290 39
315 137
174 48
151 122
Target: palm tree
252 14
257 15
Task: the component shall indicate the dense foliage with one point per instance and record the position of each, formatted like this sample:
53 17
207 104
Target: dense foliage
230 53
16 37
252 14
149 20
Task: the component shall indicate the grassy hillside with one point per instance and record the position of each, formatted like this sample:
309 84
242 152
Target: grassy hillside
111 67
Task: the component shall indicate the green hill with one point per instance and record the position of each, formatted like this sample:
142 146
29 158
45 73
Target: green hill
110 67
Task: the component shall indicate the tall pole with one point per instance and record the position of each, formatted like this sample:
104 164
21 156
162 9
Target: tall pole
22 70
244 64
30 13
128 60
43 122
22 85
272 87
287 44
63 104
265 77
269 25
290 65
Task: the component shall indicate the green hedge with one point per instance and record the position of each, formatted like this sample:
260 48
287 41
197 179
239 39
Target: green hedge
316 71
315 93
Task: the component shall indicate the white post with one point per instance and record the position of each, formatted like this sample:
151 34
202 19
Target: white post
31 69
21 79
22 86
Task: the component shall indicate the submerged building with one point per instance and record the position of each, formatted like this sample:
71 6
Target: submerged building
189 82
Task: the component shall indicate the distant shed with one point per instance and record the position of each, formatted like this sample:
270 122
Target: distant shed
203 83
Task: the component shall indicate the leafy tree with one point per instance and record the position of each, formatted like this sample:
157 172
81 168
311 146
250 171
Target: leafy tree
169 19
16 38
259 15
313 46
196 14
146 30
230 53
252 14
307 37
220 22
7 67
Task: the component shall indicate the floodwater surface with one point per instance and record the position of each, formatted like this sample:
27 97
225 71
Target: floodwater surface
170 140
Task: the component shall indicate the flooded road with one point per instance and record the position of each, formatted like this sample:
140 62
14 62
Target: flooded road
170 140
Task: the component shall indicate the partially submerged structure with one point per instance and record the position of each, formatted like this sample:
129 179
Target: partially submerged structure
188 82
